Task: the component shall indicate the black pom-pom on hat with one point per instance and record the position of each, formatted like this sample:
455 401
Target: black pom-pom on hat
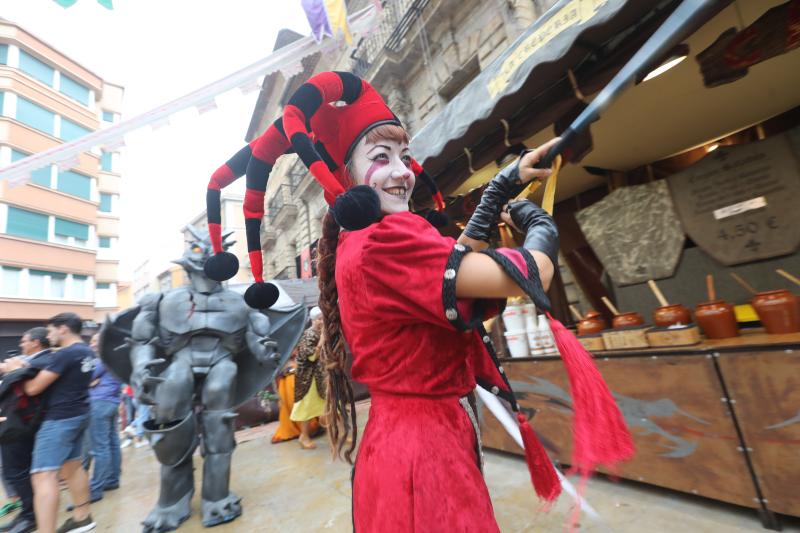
221 266
437 218
357 208
261 295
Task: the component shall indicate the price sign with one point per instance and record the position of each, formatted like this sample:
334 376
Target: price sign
740 203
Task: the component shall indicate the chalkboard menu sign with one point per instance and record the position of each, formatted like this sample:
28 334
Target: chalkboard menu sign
742 203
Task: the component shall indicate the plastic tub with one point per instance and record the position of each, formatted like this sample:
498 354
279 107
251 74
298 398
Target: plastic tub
513 318
517 342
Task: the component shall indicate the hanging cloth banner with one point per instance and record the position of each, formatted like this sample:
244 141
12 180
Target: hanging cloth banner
774 33
327 18
317 19
739 203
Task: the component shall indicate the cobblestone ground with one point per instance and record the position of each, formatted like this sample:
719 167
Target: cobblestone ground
287 489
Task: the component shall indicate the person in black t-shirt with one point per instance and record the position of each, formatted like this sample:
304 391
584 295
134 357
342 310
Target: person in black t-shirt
64 381
17 455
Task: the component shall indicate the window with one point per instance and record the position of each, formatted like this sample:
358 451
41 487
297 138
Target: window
36 283
44 284
105 202
35 68
58 285
104 242
35 116
105 161
39 176
108 116
71 131
105 295
2 97
27 224
80 285
75 184
3 54
10 281
67 228
74 90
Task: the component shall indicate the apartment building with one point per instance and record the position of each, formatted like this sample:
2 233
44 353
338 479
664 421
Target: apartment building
59 233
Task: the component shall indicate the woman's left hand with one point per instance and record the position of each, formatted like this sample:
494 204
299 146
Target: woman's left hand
527 170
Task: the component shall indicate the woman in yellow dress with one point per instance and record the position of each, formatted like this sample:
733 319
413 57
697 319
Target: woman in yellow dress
309 392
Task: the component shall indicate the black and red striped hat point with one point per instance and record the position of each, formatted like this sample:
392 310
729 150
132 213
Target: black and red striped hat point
323 135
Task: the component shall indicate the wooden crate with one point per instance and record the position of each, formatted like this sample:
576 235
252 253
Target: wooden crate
684 336
684 435
766 389
625 339
592 343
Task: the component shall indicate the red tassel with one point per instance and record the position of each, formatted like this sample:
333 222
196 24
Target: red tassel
600 436
543 473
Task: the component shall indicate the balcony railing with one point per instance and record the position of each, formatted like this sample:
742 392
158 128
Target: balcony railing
397 20
282 212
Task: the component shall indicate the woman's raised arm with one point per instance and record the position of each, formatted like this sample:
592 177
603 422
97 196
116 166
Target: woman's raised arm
480 277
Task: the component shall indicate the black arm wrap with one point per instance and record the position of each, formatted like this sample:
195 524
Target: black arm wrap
449 291
503 187
541 233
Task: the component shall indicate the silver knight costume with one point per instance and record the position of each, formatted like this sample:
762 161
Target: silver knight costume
195 353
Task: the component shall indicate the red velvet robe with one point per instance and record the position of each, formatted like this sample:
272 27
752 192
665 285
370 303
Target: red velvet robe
417 468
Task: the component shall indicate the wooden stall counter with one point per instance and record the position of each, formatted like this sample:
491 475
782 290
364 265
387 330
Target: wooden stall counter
720 419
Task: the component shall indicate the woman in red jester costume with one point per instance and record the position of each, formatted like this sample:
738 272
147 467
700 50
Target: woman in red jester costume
409 303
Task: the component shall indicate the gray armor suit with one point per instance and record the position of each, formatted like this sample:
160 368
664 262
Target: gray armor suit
195 353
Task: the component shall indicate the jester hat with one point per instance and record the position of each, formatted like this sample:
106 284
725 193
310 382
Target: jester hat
324 136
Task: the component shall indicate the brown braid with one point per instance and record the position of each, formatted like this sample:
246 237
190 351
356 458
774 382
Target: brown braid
340 407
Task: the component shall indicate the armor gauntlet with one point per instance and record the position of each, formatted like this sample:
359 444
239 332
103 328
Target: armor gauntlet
503 187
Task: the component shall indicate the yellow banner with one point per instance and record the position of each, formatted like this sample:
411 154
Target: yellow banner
337 16
574 12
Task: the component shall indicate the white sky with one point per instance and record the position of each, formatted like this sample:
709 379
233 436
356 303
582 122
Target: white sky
160 50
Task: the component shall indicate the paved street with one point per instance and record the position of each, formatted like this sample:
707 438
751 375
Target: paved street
287 489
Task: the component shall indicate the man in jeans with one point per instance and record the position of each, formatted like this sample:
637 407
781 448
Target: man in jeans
16 455
57 449
104 395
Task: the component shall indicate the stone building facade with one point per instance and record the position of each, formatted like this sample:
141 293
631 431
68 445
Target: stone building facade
419 58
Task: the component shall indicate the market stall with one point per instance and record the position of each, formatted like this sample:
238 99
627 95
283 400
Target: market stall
718 419
689 183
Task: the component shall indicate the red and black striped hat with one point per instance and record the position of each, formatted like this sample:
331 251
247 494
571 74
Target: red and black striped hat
339 128
323 135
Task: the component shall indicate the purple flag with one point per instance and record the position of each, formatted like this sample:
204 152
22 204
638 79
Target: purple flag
317 18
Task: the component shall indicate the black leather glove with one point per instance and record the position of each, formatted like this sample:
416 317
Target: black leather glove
503 187
541 233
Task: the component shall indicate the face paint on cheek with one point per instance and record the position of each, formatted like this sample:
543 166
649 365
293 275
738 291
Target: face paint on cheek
371 170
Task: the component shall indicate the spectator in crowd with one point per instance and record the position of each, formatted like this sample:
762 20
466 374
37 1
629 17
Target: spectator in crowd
12 499
142 415
64 379
309 386
104 396
35 349
129 413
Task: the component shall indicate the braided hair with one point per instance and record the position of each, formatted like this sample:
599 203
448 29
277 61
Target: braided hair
340 407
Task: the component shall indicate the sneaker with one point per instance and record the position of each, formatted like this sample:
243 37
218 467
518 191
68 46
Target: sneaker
10 507
125 443
140 443
77 526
